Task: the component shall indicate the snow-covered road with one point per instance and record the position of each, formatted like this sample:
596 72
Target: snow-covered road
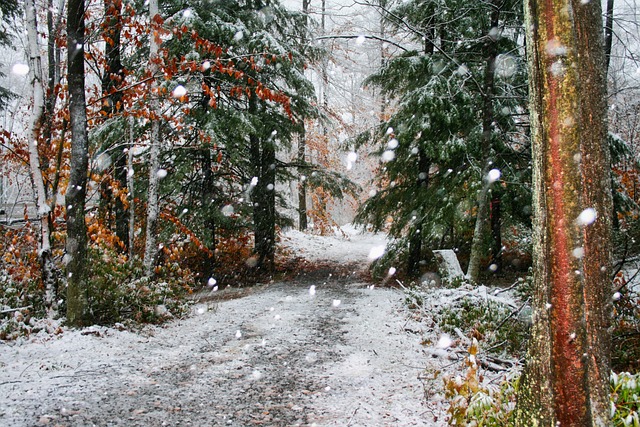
323 350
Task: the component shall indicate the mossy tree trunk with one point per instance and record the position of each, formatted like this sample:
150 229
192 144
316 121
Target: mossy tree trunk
565 381
75 197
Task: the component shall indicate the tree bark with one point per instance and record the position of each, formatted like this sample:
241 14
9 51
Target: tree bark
416 238
302 183
608 35
35 172
302 148
210 218
496 232
111 79
263 158
482 217
150 248
131 192
76 244
565 381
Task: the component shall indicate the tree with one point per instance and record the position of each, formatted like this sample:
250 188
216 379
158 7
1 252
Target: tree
8 10
302 148
565 381
115 178
35 137
75 196
150 247
453 117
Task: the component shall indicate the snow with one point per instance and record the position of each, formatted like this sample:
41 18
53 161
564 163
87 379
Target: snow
326 349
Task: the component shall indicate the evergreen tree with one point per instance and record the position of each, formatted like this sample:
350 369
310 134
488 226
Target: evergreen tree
8 10
242 67
435 146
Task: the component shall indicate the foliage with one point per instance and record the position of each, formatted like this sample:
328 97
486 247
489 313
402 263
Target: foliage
431 142
475 402
625 399
9 9
625 334
118 294
487 319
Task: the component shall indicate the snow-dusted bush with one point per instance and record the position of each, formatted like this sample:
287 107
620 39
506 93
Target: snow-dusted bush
118 292
496 320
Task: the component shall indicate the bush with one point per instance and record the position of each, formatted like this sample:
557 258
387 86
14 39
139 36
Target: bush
484 317
118 292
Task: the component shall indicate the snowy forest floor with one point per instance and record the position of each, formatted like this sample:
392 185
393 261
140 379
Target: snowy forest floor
324 349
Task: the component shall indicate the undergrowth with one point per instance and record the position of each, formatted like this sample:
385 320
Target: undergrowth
479 403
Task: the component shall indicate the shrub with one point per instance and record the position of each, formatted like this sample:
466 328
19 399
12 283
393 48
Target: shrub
472 402
118 292
486 319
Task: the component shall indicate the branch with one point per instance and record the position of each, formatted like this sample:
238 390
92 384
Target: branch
346 36
424 36
12 310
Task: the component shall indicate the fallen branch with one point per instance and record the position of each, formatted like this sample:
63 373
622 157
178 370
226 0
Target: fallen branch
12 310
513 313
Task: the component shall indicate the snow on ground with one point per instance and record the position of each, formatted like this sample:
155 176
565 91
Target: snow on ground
323 350
347 245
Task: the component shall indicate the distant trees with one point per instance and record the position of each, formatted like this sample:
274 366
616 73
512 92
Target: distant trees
566 378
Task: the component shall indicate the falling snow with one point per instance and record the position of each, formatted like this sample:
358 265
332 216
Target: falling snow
587 217
179 91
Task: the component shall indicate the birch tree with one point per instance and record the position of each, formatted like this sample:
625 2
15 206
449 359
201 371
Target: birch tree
565 381
37 82
75 197
150 248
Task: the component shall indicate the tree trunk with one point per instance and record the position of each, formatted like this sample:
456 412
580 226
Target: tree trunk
302 148
496 232
210 220
608 35
76 244
417 236
37 180
263 158
111 79
265 211
131 191
482 217
150 248
302 183
566 378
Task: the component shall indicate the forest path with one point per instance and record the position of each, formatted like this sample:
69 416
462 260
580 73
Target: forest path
284 355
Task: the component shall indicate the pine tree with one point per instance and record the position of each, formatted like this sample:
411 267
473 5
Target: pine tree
8 10
566 377
448 125
264 98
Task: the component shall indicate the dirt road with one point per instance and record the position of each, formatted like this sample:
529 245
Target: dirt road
322 350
